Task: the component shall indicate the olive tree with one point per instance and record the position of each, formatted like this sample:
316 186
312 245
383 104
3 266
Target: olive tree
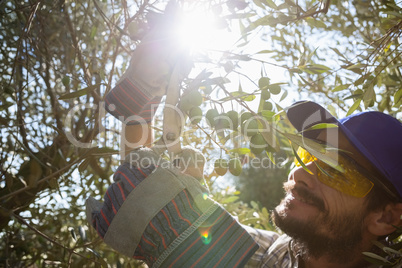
60 58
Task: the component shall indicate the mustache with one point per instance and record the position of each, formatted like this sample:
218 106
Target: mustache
305 194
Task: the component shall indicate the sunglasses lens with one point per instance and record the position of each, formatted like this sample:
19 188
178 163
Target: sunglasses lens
350 182
305 157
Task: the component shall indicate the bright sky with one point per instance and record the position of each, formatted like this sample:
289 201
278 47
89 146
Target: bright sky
200 30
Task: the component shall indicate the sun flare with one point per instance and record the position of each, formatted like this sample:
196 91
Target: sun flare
202 31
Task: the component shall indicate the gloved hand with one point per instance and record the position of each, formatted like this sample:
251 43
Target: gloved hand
138 93
191 162
155 213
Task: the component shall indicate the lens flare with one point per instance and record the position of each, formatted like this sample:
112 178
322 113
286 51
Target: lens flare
206 237
199 30
195 29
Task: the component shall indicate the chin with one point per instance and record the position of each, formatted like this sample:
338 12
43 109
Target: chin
316 236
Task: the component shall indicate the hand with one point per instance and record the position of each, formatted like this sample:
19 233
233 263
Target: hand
191 162
137 94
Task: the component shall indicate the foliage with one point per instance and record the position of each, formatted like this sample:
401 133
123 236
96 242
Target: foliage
388 256
253 215
263 181
60 58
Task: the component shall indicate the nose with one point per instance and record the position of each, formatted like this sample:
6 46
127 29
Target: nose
301 176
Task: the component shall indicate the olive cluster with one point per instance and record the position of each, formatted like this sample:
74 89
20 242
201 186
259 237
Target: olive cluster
248 125
245 123
190 104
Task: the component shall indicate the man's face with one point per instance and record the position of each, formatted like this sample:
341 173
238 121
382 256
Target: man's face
320 218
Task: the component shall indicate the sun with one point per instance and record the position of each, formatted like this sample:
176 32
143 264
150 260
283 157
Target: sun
196 29
201 30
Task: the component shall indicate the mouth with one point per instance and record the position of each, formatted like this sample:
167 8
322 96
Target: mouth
301 199
307 198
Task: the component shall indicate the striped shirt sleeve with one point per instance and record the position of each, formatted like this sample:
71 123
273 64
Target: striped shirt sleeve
264 239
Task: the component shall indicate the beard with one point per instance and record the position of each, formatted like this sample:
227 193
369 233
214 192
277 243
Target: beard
335 237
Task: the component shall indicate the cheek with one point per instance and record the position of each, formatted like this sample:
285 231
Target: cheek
340 204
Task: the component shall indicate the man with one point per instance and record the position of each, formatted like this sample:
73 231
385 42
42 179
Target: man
334 208
327 224
331 218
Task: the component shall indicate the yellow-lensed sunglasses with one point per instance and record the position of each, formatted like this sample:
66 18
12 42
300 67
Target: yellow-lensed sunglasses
351 181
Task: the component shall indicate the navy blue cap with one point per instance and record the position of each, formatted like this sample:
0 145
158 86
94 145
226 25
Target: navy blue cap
377 136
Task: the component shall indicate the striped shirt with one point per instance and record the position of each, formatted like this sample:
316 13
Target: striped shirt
274 250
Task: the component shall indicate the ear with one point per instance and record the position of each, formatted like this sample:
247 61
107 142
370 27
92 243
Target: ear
382 222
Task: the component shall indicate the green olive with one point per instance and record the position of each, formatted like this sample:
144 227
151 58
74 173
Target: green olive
250 127
263 82
234 119
221 166
191 99
235 166
257 144
275 89
211 116
265 95
195 115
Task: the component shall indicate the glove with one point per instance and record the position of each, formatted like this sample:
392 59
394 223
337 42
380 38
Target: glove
155 213
191 162
138 93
